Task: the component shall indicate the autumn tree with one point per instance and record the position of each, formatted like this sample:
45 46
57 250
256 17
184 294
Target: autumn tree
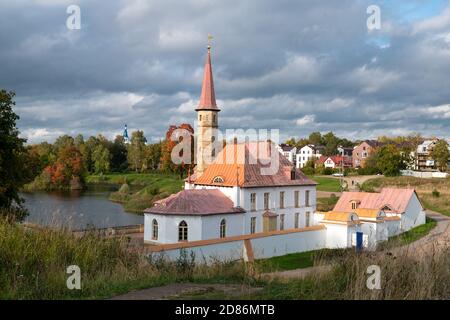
441 154
170 142
101 158
389 160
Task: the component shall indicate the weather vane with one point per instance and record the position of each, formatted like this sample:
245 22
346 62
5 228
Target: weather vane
210 37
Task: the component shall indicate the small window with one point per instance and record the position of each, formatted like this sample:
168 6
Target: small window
282 200
214 118
282 221
266 200
223 228
218 179
253 202
154 229
308 217
297 198
296 220
183 231
252 224
307 198
200 117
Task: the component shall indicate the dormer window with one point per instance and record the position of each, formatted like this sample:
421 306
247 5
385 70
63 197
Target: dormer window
355 204
218 180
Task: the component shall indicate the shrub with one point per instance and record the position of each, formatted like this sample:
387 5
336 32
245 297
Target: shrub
435 193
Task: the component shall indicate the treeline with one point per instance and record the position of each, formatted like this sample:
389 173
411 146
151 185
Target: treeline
65 163
329 140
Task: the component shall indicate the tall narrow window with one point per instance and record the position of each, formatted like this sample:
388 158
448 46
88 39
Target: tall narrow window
223 228
183 231
253 201
214 118
252 224
200 117
266 200
282 200
307 198
296 220
154 229
297 198
308 217
282 221
353 205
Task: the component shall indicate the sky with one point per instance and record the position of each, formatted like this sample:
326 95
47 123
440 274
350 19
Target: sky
297 66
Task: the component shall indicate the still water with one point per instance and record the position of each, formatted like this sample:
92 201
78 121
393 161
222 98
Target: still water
78 209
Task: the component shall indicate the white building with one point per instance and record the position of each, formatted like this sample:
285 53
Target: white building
288 151
308 152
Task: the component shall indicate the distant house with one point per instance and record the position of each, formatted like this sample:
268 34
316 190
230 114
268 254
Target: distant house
345 151
308 152
335 162
363 151
423 161
288 151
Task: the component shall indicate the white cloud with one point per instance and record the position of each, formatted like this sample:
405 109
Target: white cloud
309 118
438 22
439 112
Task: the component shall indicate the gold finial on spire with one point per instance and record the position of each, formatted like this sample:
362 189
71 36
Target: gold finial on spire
210 37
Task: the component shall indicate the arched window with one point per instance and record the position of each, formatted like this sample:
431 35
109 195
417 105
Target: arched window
154 229
218 179
183 231
223 228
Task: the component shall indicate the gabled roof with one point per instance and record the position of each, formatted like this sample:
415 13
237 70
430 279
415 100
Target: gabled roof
286 147
248 165
195 202
397 199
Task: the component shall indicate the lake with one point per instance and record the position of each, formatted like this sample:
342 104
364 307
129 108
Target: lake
78 209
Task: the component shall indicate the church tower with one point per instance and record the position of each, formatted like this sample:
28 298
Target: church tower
207 119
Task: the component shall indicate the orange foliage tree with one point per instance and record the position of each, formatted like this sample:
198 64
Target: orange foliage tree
168 145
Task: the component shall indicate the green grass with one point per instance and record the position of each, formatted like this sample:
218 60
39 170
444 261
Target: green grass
326 203
326 183
153 186
411 235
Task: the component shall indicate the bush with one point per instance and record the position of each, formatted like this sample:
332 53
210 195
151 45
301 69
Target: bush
124 189
435 193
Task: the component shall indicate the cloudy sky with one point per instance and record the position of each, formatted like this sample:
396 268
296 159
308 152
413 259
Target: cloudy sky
297 66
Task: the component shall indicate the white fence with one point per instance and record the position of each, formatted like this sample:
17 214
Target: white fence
420 174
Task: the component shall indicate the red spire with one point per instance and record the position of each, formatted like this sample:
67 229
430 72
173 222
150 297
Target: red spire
208 97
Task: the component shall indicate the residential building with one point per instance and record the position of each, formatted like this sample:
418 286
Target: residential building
288 151
307 153
362 151
334 162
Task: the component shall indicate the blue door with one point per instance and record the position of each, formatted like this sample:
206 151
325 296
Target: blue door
359 241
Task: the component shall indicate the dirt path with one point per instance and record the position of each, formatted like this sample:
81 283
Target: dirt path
174 290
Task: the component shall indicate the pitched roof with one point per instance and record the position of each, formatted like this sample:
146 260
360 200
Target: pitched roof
248 165
195 202
396 199
286 147
208 96
336 159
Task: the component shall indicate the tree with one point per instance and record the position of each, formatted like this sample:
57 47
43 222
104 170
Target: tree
315 138
67 169
389 160
101 158
153 153
13 170
331 143
441 154
118 150
136 150
169 144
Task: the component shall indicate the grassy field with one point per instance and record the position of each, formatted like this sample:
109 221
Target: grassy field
151 187
410 236
326 203
424 188
326 183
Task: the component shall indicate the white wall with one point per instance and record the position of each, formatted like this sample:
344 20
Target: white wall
414 214
338 235
263 247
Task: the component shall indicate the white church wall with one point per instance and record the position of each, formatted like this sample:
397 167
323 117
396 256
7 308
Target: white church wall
211 225
168 227
338 236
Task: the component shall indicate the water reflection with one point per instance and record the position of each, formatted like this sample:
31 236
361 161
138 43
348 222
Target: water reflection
78 209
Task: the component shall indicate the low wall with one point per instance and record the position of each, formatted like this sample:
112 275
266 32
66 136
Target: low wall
420 174
264 245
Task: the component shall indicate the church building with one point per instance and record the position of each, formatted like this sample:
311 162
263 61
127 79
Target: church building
229 194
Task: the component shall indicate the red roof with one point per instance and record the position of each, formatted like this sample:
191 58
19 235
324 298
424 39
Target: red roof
396 199
208 96
336 159
246 165
195 202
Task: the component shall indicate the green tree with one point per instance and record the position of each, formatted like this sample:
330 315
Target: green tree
101 158
315 138
389 160
136 150
441 154
118 150
13 170
153 155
